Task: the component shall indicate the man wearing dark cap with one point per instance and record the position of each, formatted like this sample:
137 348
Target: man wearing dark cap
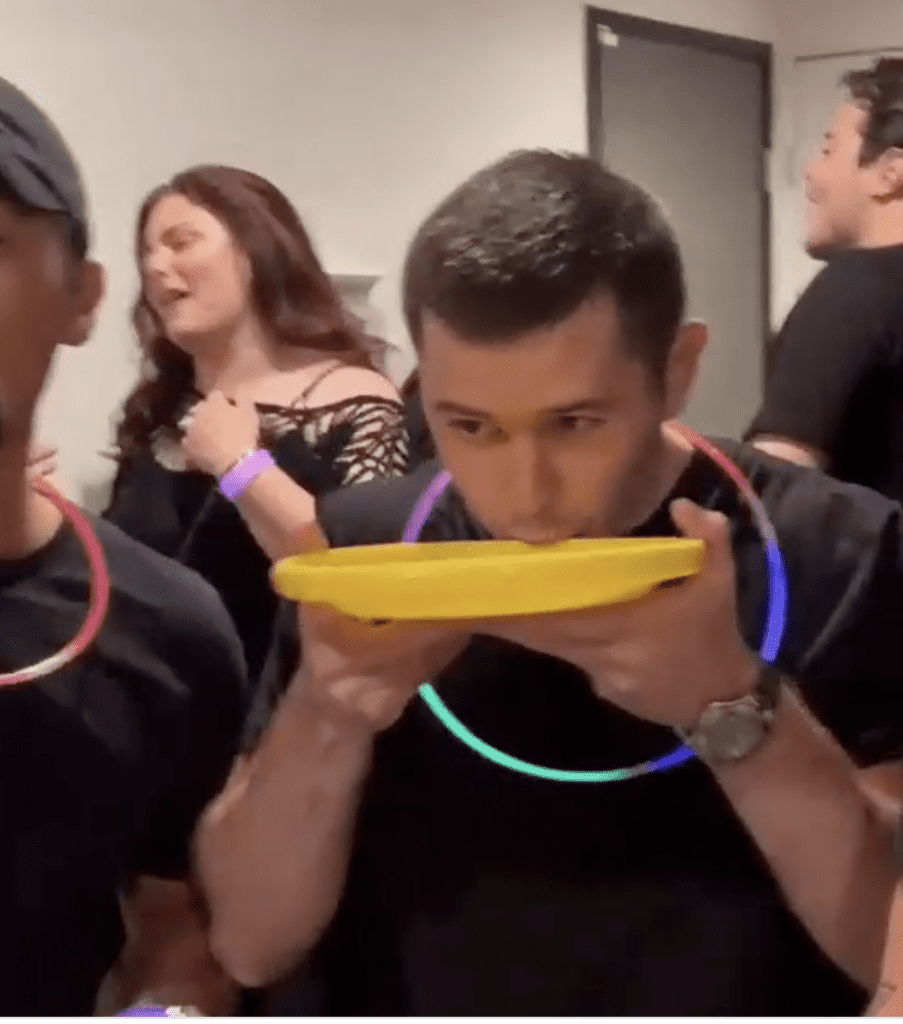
105 764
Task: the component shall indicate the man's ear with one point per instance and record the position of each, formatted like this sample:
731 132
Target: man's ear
89 288
683 366
888 175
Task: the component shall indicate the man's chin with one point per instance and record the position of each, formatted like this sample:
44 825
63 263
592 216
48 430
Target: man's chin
818 249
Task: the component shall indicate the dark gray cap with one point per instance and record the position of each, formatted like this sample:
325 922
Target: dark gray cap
36 167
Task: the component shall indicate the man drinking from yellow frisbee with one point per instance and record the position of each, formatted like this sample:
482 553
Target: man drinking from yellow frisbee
363 860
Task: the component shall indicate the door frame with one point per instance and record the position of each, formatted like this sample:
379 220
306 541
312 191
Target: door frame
653 31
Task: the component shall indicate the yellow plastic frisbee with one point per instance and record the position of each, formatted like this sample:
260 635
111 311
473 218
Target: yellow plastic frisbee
484 579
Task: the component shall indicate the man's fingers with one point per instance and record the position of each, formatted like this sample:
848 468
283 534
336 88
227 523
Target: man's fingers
708 526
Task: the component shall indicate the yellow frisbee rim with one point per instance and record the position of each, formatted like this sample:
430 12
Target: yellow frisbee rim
484 579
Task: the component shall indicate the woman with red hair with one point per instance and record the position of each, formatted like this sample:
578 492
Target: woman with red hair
257 394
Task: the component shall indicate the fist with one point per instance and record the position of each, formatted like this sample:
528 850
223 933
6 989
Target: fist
218 432
371 671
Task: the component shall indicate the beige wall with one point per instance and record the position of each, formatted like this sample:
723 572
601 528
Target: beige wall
364 111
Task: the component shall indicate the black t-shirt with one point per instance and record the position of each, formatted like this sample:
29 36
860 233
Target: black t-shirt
474 890
104 766
837 381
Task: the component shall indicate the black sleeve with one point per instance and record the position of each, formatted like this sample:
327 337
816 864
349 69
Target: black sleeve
374 512
831 341
131 485
281 664
846 620
143 504
205 736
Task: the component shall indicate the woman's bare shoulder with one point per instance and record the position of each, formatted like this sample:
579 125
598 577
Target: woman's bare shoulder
323 384
352 382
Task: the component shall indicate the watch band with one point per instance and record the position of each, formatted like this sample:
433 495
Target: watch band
767 691
242 473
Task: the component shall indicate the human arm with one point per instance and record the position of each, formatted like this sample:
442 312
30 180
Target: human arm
667 659
888 1001
276 507
832 340
272 852
829 848
791 451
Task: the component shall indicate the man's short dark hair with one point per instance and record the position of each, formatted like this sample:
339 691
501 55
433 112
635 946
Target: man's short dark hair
879 91
524 243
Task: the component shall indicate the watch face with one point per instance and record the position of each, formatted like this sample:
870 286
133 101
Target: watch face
729 732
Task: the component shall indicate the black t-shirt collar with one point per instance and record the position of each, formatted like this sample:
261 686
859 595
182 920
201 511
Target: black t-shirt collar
59 548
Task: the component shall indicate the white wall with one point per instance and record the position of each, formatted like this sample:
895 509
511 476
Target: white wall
365 111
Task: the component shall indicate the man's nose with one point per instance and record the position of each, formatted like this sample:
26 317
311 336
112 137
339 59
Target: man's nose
530 484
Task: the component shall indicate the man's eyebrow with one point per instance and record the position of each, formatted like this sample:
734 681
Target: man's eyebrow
585 405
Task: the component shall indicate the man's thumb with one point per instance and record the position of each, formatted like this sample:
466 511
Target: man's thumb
701 524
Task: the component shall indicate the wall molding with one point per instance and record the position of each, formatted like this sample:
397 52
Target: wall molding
356 286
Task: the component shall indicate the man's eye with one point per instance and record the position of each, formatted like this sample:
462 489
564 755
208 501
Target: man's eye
576 424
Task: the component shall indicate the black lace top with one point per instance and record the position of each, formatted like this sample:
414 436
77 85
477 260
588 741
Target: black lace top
180 512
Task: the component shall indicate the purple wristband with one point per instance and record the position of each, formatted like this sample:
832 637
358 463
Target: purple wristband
237 480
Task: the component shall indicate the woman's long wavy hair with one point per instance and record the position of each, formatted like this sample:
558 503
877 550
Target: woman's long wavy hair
292 295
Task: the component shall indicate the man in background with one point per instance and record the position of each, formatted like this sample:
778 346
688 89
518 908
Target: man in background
106 763
835 396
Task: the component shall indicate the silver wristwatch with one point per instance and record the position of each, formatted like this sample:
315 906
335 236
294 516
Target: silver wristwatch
729 731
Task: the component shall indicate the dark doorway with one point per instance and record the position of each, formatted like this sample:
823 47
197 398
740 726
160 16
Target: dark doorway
687 115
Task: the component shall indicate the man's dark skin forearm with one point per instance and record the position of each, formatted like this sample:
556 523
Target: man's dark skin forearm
272 852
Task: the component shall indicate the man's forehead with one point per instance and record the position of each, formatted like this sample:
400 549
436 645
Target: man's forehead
526 405
529 379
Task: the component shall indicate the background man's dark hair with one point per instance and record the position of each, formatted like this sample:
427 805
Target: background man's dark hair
524 243
879 91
